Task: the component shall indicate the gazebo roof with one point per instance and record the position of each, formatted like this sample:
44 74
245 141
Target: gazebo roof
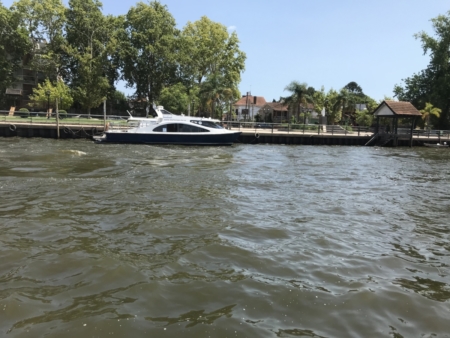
389 108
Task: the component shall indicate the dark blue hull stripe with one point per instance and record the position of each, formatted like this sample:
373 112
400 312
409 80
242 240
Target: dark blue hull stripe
164 138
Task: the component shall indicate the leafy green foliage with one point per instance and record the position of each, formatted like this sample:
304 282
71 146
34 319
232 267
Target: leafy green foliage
332 108
432 84
429 111
48 92
300 96
90 52
14 43
216 95
206 48
175 98
364 118
88 49
354 88
44 20
148 49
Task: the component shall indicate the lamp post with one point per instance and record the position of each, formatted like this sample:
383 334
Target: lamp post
48 103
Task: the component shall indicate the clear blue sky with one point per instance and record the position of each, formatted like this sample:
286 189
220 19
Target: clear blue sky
322 42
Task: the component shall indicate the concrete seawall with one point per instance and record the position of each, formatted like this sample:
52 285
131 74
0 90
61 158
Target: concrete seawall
49 130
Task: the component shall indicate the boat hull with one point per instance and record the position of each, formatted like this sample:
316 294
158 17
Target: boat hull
170 138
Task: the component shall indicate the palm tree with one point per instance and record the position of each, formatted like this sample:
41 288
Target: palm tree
428 111
216 92
346 103
301 96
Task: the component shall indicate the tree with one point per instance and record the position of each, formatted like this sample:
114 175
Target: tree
206 48
299 99
216 94
432 84
87 49
44 21
416 89
364 118
148 49
332 108
14 45
354 88
175 98
428 111
118 103
51 91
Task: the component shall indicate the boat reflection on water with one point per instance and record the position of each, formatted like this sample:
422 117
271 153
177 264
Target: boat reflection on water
436 145
167 128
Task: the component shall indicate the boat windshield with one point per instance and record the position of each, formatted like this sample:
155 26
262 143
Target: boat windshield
166 112
208 124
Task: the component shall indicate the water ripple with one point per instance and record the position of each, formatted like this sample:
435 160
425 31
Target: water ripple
272 241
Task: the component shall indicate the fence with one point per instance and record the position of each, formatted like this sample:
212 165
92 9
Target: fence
20 117
300 128
115 121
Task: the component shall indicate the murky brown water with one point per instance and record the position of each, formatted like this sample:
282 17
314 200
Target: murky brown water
242 241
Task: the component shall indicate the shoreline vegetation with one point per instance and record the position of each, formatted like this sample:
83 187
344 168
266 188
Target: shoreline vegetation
72 56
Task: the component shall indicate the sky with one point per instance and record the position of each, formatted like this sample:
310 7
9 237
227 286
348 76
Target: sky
325 43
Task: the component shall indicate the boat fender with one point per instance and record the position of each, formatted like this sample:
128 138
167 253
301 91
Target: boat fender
94 130
256 135
12 127
66 130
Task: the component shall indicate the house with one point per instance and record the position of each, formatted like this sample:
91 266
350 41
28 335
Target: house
248 106
278 112
275 112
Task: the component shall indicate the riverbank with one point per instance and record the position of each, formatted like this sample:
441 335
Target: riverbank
71 130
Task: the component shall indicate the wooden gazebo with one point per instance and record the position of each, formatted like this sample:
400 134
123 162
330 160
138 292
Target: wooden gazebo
279 111
395 110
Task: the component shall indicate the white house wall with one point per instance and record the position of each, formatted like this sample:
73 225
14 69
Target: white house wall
253 111
384 111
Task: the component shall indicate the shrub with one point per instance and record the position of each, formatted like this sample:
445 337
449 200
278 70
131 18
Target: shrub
23 112
62 114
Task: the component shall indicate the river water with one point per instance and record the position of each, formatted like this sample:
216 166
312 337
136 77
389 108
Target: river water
241 241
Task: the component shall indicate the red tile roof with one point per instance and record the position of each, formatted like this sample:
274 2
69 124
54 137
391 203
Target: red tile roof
278 106
243 101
